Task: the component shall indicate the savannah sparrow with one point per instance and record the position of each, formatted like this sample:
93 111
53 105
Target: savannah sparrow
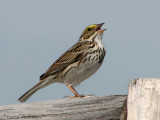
77 64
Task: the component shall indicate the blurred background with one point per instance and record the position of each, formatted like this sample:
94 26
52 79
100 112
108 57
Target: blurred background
34 33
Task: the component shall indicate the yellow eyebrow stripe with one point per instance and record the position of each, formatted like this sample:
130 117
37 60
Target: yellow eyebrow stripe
92 26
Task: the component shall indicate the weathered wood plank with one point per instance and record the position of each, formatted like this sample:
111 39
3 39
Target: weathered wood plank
144 99
90 108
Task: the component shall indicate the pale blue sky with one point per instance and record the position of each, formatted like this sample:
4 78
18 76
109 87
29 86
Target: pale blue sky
34 33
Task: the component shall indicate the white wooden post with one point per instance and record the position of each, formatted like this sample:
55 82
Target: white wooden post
144 99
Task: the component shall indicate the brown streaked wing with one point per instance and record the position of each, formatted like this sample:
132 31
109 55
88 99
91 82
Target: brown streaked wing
74 54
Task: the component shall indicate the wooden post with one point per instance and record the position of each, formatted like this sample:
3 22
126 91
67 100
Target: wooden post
143 104
144 99
89 108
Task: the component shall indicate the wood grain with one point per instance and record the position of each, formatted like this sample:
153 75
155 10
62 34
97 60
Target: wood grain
144 99
90 108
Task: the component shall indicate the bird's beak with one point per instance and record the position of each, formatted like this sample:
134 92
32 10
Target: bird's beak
98 28
101 31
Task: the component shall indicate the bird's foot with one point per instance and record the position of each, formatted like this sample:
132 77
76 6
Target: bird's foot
79 96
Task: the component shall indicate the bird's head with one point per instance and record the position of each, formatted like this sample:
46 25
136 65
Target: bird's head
91 31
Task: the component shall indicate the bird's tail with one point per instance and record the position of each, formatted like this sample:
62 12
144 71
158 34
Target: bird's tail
31 91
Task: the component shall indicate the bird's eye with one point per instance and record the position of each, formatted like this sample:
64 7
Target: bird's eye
89 29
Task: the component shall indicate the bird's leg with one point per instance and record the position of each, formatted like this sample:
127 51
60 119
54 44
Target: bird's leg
74 91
